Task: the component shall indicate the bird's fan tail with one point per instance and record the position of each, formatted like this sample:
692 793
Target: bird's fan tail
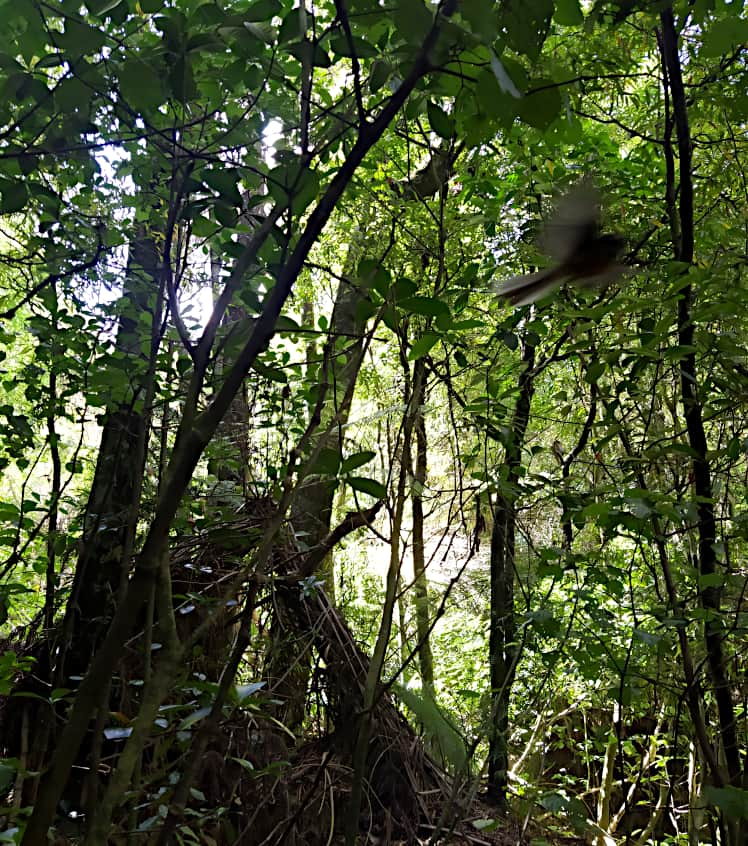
523 290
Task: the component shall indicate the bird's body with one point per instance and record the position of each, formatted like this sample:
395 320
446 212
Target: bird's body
582 254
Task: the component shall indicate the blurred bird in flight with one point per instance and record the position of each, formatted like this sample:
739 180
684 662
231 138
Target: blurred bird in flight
582 255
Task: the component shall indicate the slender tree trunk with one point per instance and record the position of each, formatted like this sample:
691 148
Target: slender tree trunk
374 673
421 587
606 784
682 223
502 646
312 511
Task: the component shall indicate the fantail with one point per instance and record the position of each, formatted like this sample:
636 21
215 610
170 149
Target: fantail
573 240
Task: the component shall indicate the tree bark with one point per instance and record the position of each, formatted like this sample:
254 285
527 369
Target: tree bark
421 587
502 648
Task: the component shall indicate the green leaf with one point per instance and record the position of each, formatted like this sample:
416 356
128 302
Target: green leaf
540 108
493 103
286 323
502 77
423 346
723 36
151 6
14 196
362 49
305 191
291 183
72 94
119 733
442 123
263 10
510 340
59 693
242 692
482 17
326 463
365 309
224 181
194 717
80 38
272 374
568 13
402 289
371 274
101 7
594 371
527 23
25 86
227 215
427 306
731 800
367 486
444 321
208 41
141 85
441 732
358 459
303 50
707 580
646 637
413 20
554 802
8 770
460 358
380 73
486 824
181 79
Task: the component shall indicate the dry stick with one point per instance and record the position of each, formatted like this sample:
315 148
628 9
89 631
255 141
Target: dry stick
147 653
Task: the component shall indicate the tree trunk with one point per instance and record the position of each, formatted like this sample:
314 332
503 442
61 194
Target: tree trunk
108 528
289 665
502 646
111 513
682 227
421 587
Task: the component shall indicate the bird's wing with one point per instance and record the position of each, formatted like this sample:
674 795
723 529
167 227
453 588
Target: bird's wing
523 290
575 220
606 277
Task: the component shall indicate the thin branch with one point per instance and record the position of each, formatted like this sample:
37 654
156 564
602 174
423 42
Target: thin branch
54 278
342 13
